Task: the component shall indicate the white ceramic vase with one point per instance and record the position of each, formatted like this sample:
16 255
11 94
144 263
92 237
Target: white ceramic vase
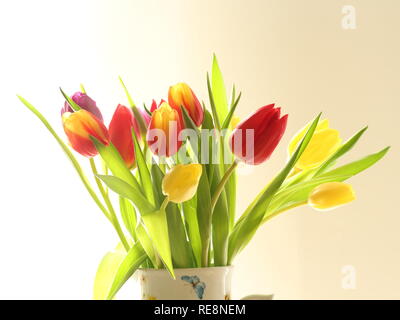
212 283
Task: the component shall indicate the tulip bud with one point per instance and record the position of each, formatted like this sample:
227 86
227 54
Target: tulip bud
79 127
120 131
180 183
181 95
322 145
85 102
330 195
164 129
266 129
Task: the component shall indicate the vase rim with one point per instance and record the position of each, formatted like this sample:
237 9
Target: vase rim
186 269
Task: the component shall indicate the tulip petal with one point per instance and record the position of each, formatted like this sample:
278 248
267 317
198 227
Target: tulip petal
79 127
180 184
120 130
182 95
85 102
322 145
267 128
164 128
324 124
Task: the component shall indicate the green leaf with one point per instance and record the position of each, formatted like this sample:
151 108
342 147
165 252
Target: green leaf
147 244
191 125
106 273
71 102
132 261
218 90
232 110
306 175
355 167
127 191
182 255
137 114
128 214
212 104
247 227
220 225
298 194
192 226
188 121
204 216
346 147
157 176
209 125
157 229
144 172
230 190
115 163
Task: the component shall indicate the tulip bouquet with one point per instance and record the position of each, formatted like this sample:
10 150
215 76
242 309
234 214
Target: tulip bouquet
165 176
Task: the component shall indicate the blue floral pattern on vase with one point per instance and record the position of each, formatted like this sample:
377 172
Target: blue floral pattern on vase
198 286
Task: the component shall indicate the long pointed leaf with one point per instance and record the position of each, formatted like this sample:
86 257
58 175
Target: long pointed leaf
232 110
128 215
129 192
147 244
106 273
192 226
115 163
144 172
182 255
204 215
220 225
157 229
244 231
132 261
298 194
346 147
218 90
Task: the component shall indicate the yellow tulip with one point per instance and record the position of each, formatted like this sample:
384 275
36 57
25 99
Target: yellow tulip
330 195
180 183
323 144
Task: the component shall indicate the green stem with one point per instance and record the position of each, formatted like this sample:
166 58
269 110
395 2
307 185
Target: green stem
113 216
164 204
221 184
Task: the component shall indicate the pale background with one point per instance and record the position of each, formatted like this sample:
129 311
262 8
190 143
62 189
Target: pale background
294 53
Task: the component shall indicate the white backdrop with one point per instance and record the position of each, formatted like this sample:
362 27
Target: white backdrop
291 52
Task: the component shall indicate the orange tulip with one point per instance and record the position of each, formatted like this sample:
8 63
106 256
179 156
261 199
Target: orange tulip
79 127
181 95
164 129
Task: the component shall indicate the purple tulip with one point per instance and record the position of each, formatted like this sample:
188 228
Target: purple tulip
85 102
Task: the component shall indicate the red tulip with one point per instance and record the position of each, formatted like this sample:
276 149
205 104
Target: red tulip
164 129
181 95
120 130
79 127
268 129
85 102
